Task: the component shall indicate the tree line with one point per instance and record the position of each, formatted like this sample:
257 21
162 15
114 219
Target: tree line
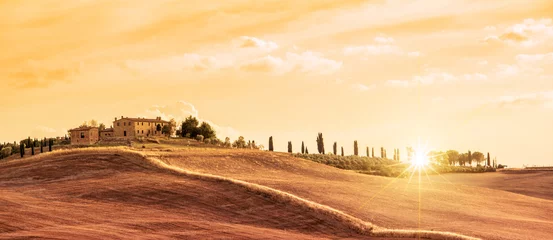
42 145
450 158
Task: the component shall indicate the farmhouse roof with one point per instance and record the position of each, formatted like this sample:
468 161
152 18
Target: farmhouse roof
143 119
107 130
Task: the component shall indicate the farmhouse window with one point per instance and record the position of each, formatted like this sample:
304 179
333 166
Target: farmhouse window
82 134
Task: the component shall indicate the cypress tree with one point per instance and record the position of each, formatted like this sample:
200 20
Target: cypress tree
320 143
41 146
302 148
271 144
342 151
335 148
489 160
355 148
33 150
398 159
368 151
22 149
29 142
290 146
372 150
306 150
470 158
381 152
50 143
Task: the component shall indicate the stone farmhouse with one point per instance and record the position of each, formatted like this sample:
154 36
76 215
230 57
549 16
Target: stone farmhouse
123 128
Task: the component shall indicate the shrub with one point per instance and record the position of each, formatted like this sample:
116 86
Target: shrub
200 138
187 135
5 152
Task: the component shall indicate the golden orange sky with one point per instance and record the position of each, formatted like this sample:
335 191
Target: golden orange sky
461 75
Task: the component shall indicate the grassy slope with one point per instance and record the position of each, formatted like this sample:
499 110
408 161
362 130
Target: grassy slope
475 211
114 195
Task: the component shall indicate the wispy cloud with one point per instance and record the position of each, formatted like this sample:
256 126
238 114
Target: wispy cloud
180 110
543 99
436 77
306 62
381 46
252 42
528 33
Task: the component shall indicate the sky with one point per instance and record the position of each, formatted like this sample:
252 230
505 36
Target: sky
466 75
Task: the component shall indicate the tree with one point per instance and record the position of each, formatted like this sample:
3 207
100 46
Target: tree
189 126
33 150
29 144
206 130
463 159
381 152
306 150
469 158
488 160
395 155
439 157
50 143
453 157
410 153
199 138
355 148
372 151
41 146
227 142
240 142
173 127
5 152
289 146
478 157
368 151
271 147
342 151
93 123
166 130
335 148
320 144
22 149
302 148
398 155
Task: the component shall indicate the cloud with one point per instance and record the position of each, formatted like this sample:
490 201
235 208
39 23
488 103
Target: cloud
306 62
250 55
180 110
436 77
529 33
381 46
527 65
48 132
543 99
252 42
361 87
37 75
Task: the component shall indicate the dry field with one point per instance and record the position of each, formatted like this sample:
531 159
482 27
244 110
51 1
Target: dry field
107 194
464 207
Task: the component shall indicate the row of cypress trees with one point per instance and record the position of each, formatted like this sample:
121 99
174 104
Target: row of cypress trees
43 144
321 149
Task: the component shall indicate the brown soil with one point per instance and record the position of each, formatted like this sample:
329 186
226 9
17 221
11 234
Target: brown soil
477 205
111 195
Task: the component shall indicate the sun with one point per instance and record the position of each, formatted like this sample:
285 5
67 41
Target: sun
420 159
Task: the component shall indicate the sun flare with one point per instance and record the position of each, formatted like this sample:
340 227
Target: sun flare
420 159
